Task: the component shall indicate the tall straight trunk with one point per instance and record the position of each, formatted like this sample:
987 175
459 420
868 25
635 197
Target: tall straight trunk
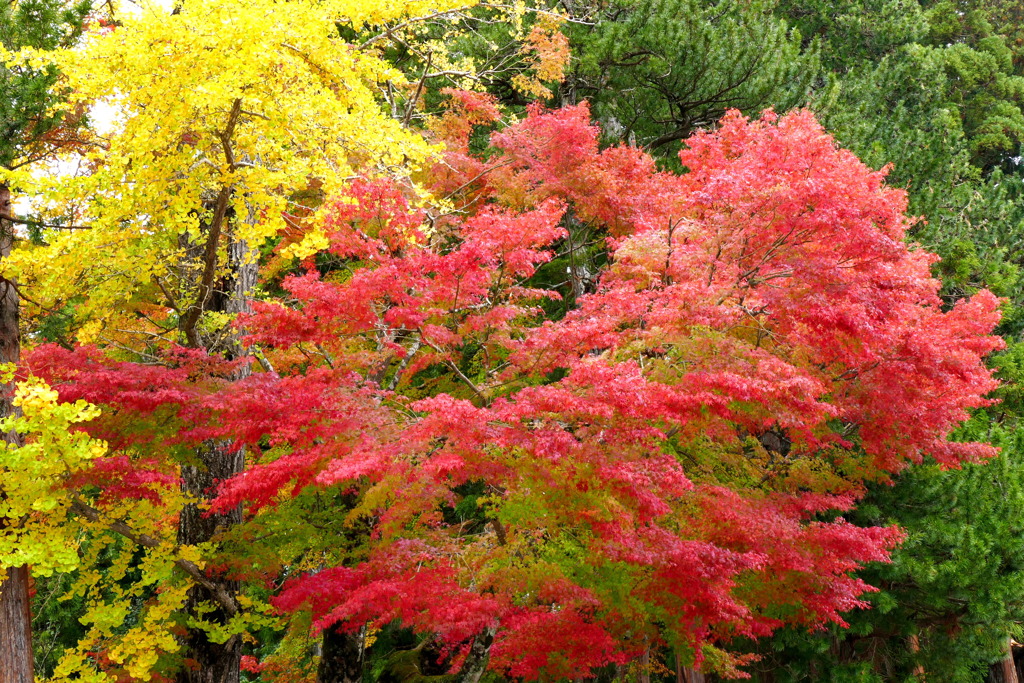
15 609
341 657
685 674
645 666
691 675
1004 670
15 628
205 660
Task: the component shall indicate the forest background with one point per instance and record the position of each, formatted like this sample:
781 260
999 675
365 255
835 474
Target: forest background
356 256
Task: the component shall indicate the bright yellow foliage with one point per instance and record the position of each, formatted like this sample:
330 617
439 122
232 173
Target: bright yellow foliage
31 478
141 646
156 585
256 98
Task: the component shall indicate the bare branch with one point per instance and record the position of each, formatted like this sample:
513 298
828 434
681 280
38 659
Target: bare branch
419 90
427 17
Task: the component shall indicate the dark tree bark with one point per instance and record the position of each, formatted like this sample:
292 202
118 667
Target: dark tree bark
341 659
15 608
15 628
645 666
205 660
1004 670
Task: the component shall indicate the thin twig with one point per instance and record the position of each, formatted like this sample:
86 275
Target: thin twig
22 294
388 32
170 299
455 368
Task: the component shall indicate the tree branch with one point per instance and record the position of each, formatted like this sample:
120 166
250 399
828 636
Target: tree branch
388 32
188 322
83 509
54 226
419 90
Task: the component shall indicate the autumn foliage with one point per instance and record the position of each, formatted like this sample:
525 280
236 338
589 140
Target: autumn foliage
666 464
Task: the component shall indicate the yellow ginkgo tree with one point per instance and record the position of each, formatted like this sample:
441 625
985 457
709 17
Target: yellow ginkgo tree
228 119
221 126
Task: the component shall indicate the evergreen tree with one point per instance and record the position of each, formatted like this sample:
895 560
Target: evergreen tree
29 122
658 70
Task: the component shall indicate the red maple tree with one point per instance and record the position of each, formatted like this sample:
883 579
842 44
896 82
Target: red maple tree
665 463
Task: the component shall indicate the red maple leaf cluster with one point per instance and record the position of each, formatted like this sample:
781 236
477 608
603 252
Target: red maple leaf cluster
668 461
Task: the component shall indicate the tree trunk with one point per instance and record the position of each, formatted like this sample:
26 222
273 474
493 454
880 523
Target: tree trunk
15 628
691 675
1004 670
205 660
15 608
341 659
645 666
479 654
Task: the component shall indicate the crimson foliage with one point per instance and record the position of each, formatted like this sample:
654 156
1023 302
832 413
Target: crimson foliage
667 463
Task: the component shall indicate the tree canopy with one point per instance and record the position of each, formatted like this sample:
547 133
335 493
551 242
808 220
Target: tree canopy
389 341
